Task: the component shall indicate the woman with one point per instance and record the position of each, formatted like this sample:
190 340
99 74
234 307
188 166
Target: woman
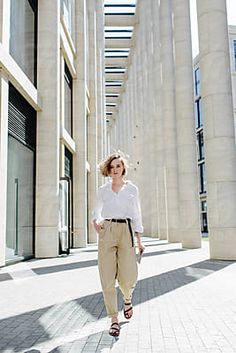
117 212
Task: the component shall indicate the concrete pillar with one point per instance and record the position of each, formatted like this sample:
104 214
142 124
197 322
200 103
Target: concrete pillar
161 187
101 122
187 157
48 125
132 109
137 118
149 117
131 122
154 104
126 118
142 116
218 125
4 39
169 125
3 163
80 129
93 116
136 129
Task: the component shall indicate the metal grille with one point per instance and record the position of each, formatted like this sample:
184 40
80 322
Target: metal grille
21 119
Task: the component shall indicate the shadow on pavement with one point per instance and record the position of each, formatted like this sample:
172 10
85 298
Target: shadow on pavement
29 329
76 265
162 252
96 342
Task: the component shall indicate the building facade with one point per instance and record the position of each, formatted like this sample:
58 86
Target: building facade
69 95
52 127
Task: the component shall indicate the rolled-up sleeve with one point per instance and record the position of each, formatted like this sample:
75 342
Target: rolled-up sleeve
96 213
137 214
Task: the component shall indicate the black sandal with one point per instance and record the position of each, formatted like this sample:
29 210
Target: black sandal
114 331
127 313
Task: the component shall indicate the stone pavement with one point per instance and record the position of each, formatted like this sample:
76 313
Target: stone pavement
183 302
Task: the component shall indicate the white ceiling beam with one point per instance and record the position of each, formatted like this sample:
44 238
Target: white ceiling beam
119 20
118 43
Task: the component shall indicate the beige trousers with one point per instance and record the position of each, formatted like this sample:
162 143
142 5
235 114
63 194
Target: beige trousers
116 261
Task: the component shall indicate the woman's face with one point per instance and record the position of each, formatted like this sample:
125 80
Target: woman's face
116 168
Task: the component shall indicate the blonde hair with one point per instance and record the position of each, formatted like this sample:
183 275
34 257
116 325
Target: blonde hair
105 165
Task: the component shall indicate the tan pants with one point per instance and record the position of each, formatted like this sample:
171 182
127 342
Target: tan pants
116 260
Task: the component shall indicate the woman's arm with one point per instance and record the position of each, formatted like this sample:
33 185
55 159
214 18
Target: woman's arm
96 213
140 246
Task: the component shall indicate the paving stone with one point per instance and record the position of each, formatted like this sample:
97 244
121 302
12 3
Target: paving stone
180 305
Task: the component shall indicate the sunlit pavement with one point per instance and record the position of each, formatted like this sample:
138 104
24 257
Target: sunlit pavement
183 302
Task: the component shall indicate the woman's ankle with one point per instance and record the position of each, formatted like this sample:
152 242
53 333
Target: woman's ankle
114 319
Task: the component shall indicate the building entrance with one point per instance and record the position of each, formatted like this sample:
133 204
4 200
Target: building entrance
20 177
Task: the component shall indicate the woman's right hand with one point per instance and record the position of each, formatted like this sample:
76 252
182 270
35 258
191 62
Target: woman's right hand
97 226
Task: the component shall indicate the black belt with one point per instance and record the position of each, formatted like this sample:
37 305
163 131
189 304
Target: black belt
128 220
119 220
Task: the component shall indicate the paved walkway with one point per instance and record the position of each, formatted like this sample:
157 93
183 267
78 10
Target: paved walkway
183 303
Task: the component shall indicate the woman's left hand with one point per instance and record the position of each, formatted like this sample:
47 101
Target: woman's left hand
141 248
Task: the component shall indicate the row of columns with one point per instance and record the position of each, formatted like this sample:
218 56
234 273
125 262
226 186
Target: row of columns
88 122
163 156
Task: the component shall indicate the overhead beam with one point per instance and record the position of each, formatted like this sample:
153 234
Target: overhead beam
115 89
119 20
118 43
116 61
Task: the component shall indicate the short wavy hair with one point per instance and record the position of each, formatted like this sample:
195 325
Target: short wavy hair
105 165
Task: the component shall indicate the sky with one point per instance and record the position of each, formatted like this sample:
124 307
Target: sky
231 13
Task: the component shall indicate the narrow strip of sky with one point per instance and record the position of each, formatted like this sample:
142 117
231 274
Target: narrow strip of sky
231 14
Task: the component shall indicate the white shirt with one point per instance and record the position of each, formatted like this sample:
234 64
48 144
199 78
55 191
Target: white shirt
122 204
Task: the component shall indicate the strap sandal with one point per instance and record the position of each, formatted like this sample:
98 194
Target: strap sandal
128 313
114 329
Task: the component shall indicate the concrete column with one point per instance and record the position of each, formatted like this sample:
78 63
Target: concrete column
48 126
218 125
187 157
154 107
80 130
121 123
133 103
4 39
93 116
169 125
101 123
135 138
131 121
127 117
163 113
149 117
142 116
3 162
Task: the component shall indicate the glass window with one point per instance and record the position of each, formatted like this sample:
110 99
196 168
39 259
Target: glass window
68 164
20 200
68 13
198 113
23 36
197 81
204 222
234 54
200 143
202 178
68 101
204 206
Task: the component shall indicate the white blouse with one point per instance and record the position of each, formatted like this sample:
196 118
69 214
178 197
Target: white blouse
122 204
